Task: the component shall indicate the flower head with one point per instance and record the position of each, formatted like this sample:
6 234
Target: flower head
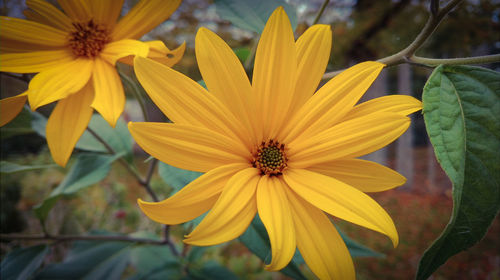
274 147
75 53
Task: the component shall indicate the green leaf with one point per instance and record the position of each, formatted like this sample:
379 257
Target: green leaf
175 177
252 15
461 106
10 167
211 270
257 241
18 126
196 253
118 138
91 260
22 263
358 250
86 171
154 262
242 53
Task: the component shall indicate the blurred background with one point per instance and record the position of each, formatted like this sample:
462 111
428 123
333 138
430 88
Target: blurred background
362 30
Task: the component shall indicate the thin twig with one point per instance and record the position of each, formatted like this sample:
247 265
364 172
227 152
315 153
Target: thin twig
166 240
407 53
81 237
24 77
455 61
250 57
146 182
320 12
137 94
113 152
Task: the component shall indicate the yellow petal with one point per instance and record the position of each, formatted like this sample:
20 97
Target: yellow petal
67 122
400 104
274 211
34 16
187 147
51 15
58 82
274 72
105 12
184 101
118 49
33 62
332 101
366 176
341 200
143 17
319 243
348 139
10 107
313 51
77 10
194 199
30 32
231 214
225 77
159 52
109 98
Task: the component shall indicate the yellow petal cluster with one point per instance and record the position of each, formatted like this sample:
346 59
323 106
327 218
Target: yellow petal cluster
319 134
74 52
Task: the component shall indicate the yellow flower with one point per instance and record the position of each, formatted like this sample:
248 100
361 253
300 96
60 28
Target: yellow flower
75 53
272 147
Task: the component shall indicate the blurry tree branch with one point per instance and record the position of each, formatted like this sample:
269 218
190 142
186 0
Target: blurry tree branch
81 237
358 47
407 55
145 182
320 12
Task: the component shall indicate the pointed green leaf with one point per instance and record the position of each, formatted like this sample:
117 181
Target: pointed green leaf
10 167
252 15
256 240
211 270
86 171
358 250
461 106
175 177
118 138
91 260
22 263
18 126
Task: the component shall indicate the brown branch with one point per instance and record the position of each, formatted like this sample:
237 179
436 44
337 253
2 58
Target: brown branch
407 53
359 48
8 237
320 12
145 182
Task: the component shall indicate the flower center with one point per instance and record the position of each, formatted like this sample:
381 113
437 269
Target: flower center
270 158
88 39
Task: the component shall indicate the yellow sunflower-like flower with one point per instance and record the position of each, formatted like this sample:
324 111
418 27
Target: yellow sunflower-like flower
274 147
75 53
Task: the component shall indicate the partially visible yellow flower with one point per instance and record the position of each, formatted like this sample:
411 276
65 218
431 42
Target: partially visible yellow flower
75 53
274 147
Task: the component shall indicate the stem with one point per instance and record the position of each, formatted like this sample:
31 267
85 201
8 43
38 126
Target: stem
80 237
24 77
251 56
169 242
405 55
152 165
147 180
455 61
112 151
137 94
320 12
